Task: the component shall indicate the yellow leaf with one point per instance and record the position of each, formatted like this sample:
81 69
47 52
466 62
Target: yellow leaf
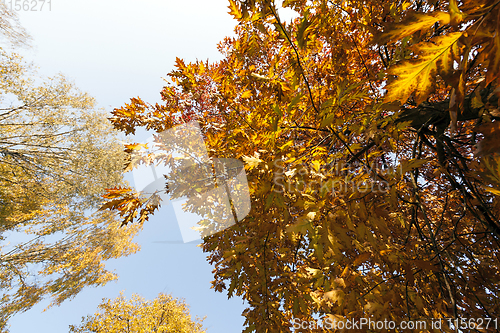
313 271
335 296
311 215
418 75
411 164
456 14
411 24
492 190
260 77
235 10
246 94
316 165
252 161
302 224
136 146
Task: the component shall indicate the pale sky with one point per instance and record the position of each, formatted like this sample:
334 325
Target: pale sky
116 50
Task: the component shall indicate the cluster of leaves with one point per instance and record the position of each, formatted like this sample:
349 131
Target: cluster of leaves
369 135
163 314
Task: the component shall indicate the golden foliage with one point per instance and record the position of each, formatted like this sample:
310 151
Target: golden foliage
163 314
357 121
57 155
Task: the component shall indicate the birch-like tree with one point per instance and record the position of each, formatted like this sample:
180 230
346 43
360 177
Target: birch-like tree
57 155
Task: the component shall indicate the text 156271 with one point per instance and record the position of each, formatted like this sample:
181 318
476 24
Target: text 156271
29 5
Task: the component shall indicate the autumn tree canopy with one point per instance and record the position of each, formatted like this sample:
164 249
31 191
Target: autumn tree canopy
163 314
369 131
57 155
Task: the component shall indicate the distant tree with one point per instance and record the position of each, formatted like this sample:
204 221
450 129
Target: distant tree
57 155
10 29
164 314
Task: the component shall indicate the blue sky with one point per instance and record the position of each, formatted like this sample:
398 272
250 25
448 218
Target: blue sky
116 50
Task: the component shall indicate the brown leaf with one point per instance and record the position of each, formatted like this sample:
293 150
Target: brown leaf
490 143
